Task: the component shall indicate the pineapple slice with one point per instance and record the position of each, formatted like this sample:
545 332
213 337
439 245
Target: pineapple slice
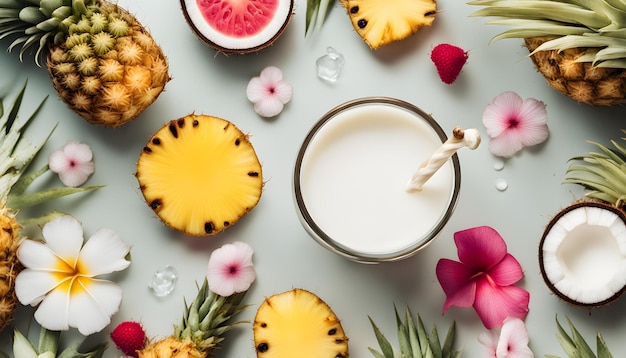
297 323
200 174
380 22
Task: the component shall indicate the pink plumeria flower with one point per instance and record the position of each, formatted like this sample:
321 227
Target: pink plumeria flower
62 276
230 269
269 92
73 163
513 123
509 341
484 278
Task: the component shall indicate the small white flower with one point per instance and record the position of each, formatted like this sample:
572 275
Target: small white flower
73 162
61 273
269 92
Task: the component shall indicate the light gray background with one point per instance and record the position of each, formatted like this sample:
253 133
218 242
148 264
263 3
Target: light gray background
285 257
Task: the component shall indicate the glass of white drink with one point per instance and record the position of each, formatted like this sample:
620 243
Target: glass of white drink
351 176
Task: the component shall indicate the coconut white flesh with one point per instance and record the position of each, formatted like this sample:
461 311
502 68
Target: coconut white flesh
584 254
234 43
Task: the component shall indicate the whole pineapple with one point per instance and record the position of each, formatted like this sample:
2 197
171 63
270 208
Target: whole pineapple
16 155
201 329
579 46
102 61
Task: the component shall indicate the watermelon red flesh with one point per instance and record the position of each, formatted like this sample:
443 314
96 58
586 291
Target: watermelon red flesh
238 18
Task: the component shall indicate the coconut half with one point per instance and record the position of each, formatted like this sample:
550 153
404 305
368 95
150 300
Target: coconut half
582 254
238 26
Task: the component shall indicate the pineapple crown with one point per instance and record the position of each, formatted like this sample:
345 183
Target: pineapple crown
603 173
575 345
16 155
599 25
208 317
44 22
414 340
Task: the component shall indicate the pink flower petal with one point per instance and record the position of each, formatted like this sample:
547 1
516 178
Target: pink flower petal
268 92
230 269
480 247
489 339
73 163
505 105
457 283
513 341
269 107
507 272
495 303
513 123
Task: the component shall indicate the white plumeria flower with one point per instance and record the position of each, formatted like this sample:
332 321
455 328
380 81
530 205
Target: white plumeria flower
269 92
60 276
73 163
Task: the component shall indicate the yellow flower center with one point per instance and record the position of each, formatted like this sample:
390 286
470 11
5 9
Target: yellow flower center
72 279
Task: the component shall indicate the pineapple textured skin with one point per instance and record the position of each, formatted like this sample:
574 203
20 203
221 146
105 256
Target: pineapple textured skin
108 77
105 65
578 46
380 22
9 264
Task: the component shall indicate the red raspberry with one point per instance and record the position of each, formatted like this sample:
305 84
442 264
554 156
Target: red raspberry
449 61
129 337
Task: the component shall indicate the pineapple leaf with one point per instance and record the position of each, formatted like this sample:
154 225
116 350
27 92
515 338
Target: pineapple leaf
383 342
27 200
414 341
448 343
316 12
10 120
435 344
421 333
48 340
603 350
413 336
377 354
403 335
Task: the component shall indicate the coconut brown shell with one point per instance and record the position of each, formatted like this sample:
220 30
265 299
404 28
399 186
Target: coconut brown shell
230 51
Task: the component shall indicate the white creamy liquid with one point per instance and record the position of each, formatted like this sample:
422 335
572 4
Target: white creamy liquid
354 174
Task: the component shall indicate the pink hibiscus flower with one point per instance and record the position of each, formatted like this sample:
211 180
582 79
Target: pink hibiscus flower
513 123
230 269
510 341
269 92
484 278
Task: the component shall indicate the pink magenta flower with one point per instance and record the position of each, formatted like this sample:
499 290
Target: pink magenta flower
230 269
484 278
73 163
509 341
269 92
513 123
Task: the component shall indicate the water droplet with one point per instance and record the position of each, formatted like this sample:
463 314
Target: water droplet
498 165
329 66
164 281
501 184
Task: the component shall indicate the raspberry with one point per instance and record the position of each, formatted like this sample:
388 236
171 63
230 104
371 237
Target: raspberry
449 61
129 337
